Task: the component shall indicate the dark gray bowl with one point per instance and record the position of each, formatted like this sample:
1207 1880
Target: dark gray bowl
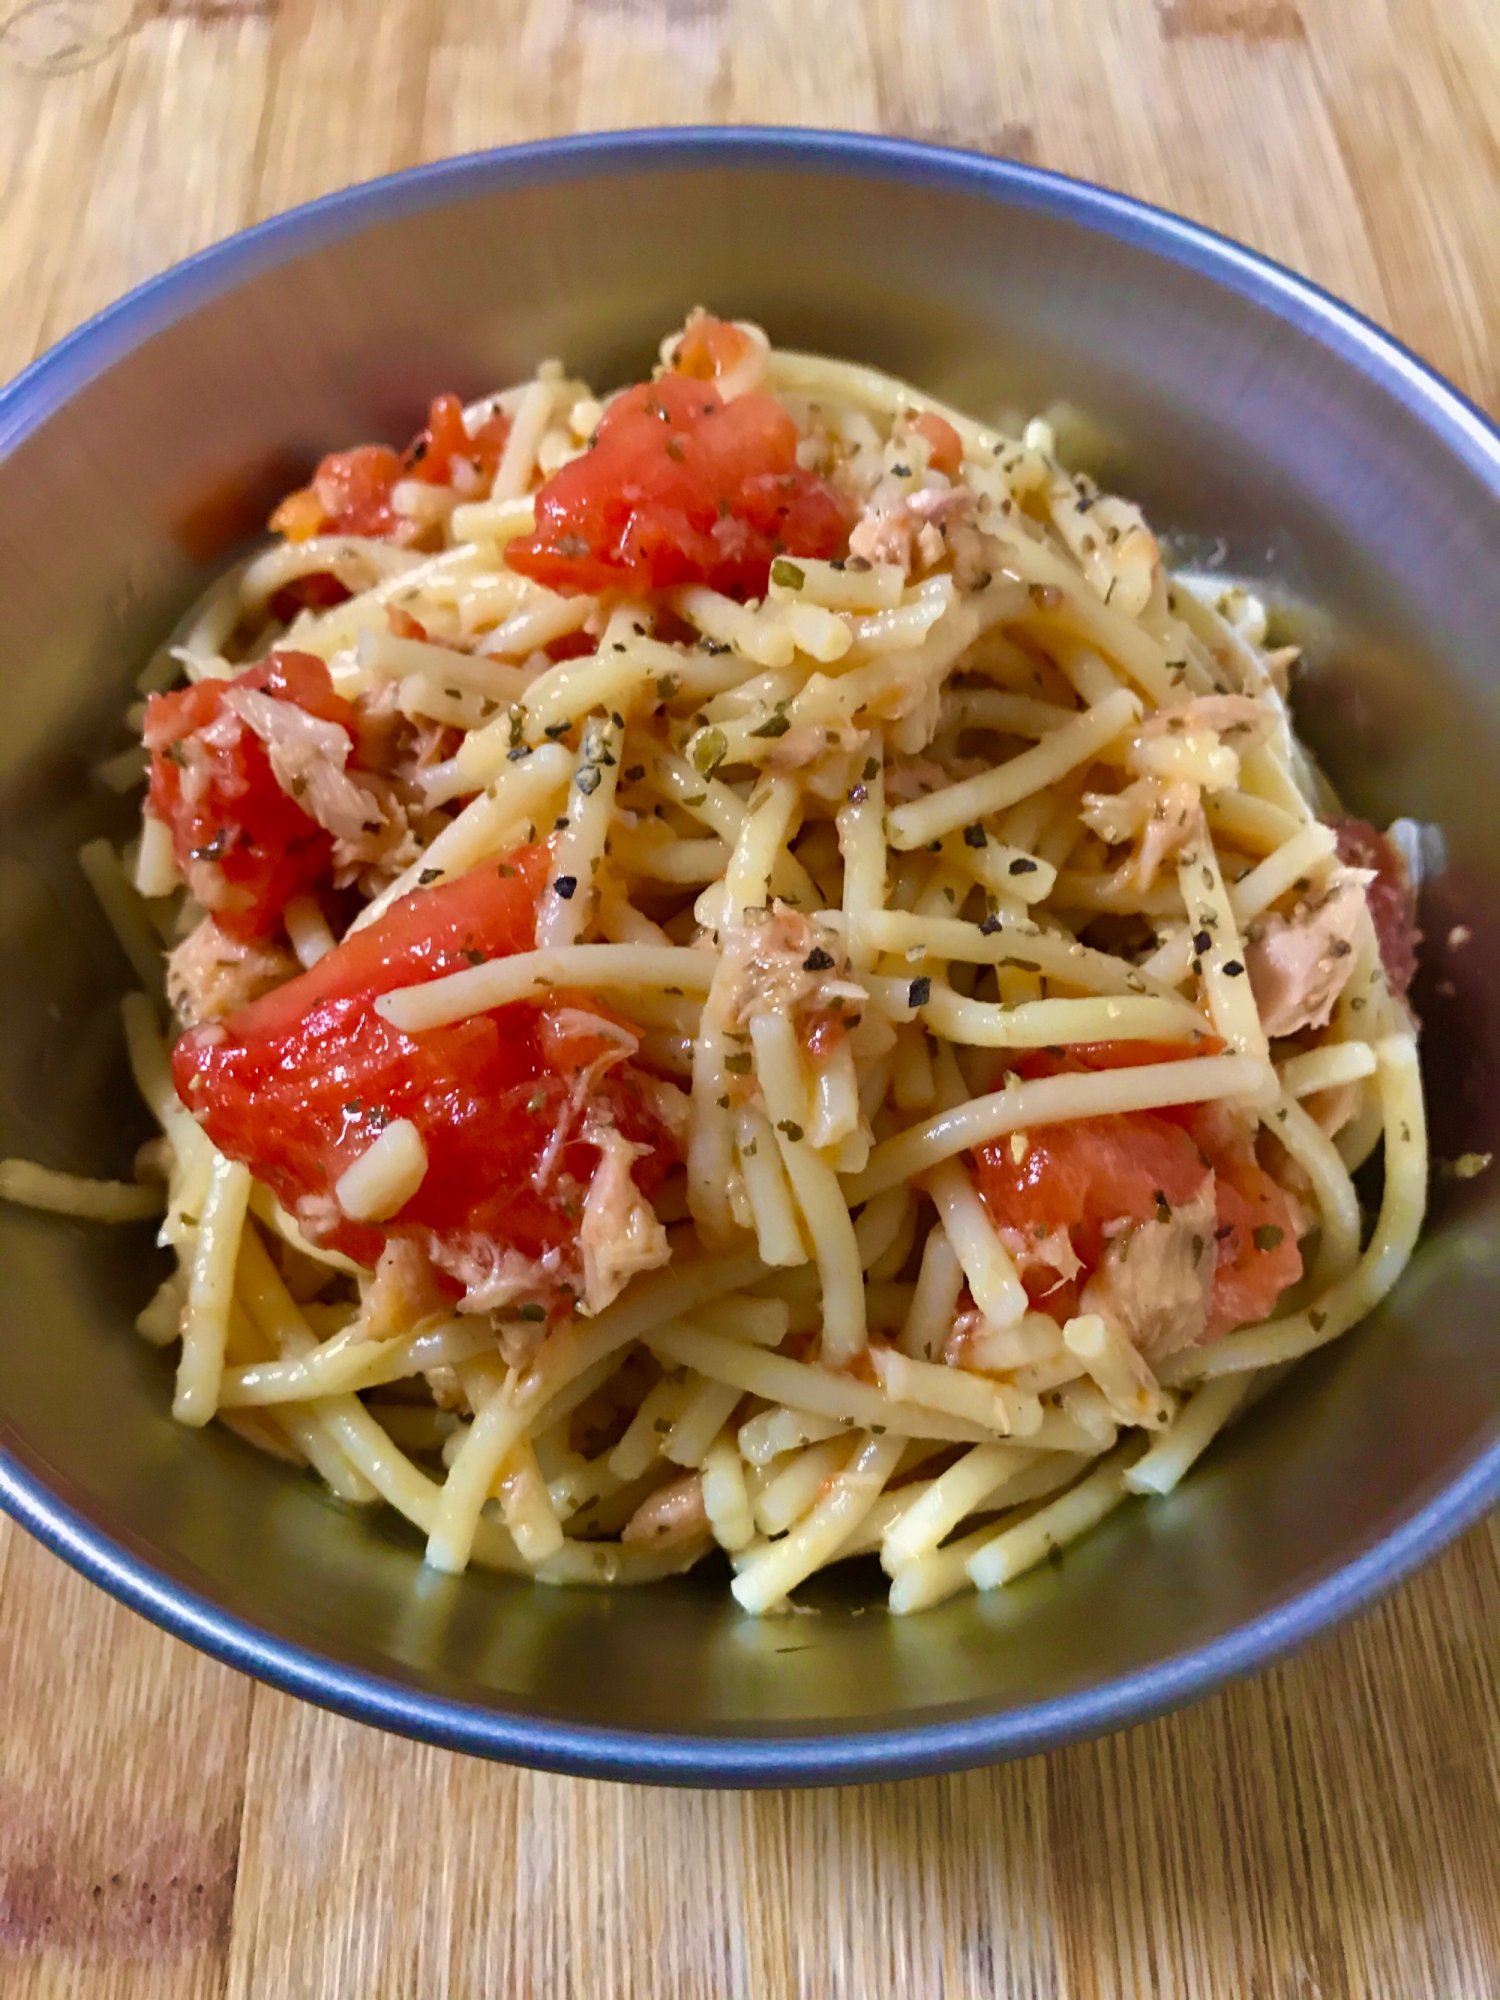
1241 403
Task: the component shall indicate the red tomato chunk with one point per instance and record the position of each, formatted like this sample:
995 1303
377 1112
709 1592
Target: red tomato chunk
710 348
1393 906
351 491
945 448
681 487
300 1083
1090 1172
244 846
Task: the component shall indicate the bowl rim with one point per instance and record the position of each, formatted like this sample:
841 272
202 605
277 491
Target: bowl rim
787 1754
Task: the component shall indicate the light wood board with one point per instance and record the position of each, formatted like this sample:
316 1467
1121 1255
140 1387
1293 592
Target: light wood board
1330 1829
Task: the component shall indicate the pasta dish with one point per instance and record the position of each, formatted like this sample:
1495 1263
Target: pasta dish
749 969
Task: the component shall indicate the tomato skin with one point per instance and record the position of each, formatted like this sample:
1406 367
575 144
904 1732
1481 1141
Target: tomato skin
1249 1278
1089 1172
571 646
403 625
1393 906
246 847
301 1107
681 487
945 448
354 489
304 679
1086 1173
299 1083
709 348
489 912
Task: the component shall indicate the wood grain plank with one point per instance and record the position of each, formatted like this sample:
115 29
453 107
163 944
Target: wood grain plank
163 107
1412 89
1230 131
494 66
801 62
46 195
1262 1843
337 1894
345 97
122 1761
182 119
554 1887
1269 1838
648 65
957 76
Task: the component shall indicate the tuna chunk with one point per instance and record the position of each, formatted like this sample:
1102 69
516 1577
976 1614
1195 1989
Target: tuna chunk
308 758
912 532
1298 966
1051 1253
211 974
619 1235
1155 1278
1160 817
670 1517
1239 719
403 1291
497 1279
884 535
784 963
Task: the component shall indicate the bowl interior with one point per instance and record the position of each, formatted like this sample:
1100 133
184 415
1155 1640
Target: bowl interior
1323 470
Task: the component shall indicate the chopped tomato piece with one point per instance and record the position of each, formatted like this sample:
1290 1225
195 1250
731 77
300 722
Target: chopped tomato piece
300 516
316 592
1393 906
403 625
571 646
709 348
824 1034
1139 1166
243 845
575 1032
354 490
1112 1055
429 457
431 454
299 1083
487 446
301 678
681 487
1090 1172
351 491
489 912
1257 1236
945 448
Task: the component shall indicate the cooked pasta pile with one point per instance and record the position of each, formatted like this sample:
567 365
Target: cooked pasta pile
749 970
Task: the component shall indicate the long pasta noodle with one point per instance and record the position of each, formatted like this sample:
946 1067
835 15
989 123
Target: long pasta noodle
1385 1257
843 1029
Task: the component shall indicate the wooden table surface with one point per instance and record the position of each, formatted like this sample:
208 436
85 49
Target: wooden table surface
1332 1828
